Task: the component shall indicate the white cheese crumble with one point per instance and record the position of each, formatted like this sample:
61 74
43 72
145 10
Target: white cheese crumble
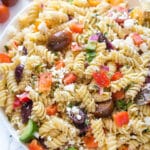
147 121
49 138
36 134
28 88
43 27
23 59
20 48
144 47
117 43
75 110
128 23
58 75
69 87
78 117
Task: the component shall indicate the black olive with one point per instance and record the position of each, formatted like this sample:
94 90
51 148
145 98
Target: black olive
18 72
59 40
78 122
24 51
103 38
26 109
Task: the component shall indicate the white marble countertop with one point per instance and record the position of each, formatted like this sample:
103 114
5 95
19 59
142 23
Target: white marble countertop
7 141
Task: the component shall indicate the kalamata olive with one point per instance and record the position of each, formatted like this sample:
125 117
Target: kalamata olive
78 119
143 96
103 38
26 109
24 51
18 72
104 109
59 40
9 2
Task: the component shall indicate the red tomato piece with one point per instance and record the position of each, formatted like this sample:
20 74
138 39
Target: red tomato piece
35 146
70 78
51 110
76 27
24 97
101 78
59 64
119 95
121 118
75 46
137 39
4 58
16 103
45 82
4 13
90 142
116 76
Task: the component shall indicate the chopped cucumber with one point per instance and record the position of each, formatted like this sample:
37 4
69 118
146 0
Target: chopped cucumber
29 131
91 46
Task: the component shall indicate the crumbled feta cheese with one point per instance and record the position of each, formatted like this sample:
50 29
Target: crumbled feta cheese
129 40
36 134
43 27
123 16
144 47
75 110
49 138
128 23
68 110
28 88
117 42
69 87
78 117
114 15
147 121
23 59
20 48
71 142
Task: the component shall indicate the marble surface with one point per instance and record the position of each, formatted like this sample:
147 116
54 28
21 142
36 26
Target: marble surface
7 140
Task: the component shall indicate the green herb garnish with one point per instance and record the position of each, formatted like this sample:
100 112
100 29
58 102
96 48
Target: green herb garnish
6 48
122 104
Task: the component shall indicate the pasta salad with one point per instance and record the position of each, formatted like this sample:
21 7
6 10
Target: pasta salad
75 76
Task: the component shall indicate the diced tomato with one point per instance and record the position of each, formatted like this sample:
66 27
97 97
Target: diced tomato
24 97
35 146
93 2
123 147
70 78
137 39
116 76
121 118
101 78
4 58
51 110
76 27
59 64
4 13
90 142
45 82
75 46
16 103
119 95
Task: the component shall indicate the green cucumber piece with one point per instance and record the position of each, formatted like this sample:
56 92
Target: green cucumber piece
91 46
28 132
